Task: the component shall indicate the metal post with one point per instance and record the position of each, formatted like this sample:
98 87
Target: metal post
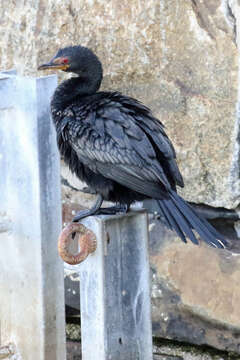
115 290
31 276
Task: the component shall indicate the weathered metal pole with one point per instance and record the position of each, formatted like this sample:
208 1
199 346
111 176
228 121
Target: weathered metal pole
31 276
115 290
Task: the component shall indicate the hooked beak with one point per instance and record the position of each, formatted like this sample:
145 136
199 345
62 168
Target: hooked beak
52 65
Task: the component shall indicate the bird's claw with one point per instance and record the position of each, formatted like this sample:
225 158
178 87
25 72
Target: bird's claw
113 210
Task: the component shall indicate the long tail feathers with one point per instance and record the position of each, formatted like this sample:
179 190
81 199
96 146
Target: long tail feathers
182 218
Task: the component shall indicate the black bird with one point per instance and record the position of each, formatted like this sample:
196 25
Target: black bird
116 146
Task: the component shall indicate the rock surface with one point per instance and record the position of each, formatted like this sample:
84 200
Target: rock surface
195 292
178 57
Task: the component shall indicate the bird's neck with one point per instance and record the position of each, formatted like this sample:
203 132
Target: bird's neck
72 89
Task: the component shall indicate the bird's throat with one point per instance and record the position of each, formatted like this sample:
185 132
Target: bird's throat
72 89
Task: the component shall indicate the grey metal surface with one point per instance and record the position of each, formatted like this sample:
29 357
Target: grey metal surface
9 72
31 276
115 290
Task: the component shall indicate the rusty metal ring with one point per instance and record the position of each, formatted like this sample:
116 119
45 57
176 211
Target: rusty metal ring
87 242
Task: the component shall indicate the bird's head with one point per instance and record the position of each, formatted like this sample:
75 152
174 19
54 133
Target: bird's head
76 59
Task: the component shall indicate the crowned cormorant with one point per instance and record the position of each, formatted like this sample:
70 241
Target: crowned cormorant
115 145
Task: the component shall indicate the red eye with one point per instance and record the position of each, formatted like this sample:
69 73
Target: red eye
65 60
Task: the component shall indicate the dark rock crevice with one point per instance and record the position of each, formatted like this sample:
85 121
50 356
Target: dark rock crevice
231 18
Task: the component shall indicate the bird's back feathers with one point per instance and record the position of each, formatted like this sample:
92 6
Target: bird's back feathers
118 134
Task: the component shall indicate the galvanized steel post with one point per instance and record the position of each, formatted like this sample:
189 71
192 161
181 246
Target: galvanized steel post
115 290
31 275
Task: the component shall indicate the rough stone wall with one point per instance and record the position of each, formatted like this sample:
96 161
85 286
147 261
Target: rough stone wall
178 57
195 292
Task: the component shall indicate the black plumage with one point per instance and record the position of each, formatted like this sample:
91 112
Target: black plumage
116 146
